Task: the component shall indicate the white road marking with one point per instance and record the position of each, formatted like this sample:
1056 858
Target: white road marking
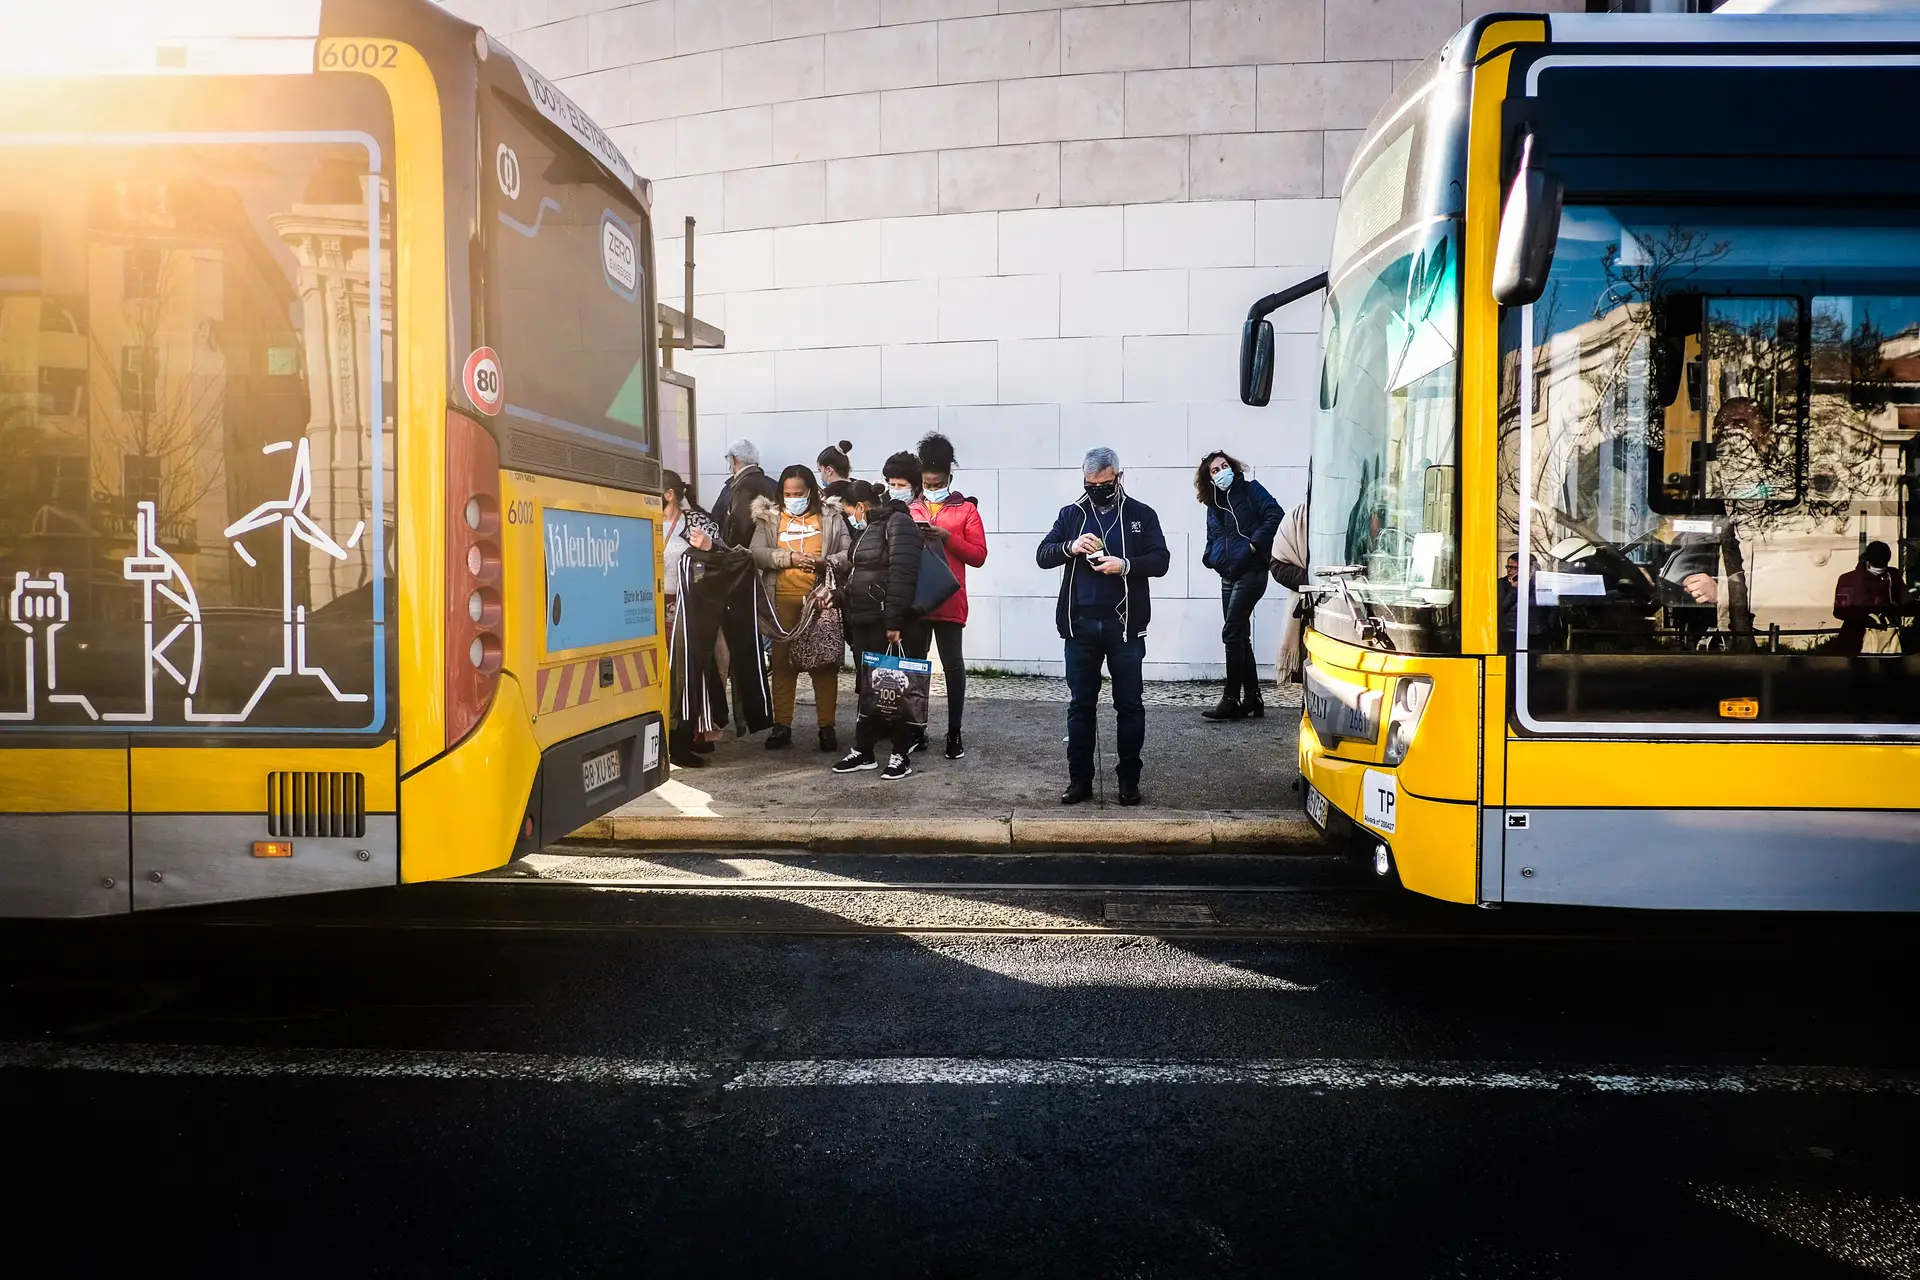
813 1073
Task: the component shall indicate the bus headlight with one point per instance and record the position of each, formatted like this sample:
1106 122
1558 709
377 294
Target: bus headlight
1410 694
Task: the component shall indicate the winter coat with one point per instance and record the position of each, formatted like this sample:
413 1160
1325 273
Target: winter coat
1240 526
769 518
886 567
966 547
734 510
1142 546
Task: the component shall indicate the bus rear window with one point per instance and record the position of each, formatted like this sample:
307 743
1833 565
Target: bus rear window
567 302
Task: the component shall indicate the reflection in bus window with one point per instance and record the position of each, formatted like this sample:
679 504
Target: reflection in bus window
566 251
1385 441
193 432
1723 415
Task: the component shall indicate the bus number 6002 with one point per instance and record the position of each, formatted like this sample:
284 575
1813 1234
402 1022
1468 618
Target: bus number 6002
349 56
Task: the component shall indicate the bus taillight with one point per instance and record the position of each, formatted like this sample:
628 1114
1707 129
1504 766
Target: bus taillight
474 649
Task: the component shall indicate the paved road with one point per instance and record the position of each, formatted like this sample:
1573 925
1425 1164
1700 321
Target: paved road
955 1067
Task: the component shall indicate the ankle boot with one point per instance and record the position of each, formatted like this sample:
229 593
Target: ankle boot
1251 703
1229 706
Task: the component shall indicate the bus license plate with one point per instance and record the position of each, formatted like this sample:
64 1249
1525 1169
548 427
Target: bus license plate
1316 808
601 770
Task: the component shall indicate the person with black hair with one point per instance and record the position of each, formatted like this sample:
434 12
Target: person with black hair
1870 596
693 553
834 464
1242 519
796 546
952 519
879 610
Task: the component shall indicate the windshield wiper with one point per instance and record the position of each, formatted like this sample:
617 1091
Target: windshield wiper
1371 629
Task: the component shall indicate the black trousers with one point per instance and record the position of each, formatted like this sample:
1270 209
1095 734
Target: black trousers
953 662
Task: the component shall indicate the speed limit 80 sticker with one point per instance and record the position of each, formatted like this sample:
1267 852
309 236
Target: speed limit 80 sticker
485 387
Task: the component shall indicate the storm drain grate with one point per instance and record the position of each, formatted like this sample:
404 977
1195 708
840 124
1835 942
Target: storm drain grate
316 804
1160 913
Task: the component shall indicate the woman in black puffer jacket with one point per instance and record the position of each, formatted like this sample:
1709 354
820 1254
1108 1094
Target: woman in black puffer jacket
879 609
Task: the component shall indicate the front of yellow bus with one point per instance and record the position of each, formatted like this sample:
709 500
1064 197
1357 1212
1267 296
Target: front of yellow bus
1389 740
224 386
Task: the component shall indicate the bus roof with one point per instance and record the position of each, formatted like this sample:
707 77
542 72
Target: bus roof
272 37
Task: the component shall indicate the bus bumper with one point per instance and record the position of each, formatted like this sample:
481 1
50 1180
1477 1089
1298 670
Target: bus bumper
561 801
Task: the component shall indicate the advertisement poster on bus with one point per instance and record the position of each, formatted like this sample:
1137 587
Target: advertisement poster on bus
599 579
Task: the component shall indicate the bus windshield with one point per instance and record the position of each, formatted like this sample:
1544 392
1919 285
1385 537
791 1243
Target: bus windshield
196 496
1709 462
1385 445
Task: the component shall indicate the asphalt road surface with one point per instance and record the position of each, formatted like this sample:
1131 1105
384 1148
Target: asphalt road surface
801 1065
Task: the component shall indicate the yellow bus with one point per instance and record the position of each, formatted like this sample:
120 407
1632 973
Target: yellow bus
1612 518
328 484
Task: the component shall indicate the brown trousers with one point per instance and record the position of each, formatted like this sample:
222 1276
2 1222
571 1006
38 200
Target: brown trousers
786 681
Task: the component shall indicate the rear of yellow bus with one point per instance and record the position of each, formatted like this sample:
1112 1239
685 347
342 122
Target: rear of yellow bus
264 627
1615 606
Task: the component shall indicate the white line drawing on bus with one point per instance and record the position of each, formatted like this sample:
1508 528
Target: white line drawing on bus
37 602
158 574
291 515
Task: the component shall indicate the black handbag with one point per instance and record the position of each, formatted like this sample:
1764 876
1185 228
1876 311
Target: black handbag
936 584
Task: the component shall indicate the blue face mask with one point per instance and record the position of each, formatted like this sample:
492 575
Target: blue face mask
900 495
935 495
1223 479
857 522
797 506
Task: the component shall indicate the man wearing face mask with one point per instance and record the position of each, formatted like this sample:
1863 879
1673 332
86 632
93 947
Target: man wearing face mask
1110 546
1871 595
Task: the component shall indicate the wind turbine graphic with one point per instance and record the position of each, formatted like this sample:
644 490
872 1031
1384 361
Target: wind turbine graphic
291 515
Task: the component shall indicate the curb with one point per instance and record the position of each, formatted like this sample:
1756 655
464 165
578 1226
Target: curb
1021 831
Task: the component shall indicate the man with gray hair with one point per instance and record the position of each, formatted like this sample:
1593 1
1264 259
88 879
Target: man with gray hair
1110 545
734 507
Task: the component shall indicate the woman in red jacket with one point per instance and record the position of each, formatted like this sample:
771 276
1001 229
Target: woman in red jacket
954 520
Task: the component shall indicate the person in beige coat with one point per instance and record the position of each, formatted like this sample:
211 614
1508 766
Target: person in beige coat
1289 569
797 545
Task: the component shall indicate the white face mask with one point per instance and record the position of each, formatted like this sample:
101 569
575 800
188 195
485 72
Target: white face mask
903 494
1878 571
935 495
1223 478
797 506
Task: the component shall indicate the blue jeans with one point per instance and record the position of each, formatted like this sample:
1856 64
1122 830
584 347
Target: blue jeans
1237 598
1096 641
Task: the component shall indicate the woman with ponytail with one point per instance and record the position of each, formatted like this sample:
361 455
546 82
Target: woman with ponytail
953 519
833 463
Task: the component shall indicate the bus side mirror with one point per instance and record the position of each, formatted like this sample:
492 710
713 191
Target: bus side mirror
1529 228
1256 362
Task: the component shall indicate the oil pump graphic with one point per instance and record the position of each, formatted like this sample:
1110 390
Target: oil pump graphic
291 515
38 604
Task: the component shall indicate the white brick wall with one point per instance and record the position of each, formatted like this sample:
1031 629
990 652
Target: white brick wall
1033 224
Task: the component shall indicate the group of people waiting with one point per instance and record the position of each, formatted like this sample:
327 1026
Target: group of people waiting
812 544
771 558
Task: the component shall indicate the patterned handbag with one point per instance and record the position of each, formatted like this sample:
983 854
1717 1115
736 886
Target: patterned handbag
820 639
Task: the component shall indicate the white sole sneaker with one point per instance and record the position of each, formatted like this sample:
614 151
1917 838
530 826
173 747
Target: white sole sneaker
892 773
860 766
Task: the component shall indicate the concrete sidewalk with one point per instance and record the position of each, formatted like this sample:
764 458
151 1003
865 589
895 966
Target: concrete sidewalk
1207 787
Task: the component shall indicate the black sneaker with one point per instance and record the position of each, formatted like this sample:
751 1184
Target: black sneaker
829 740
780 737
955 748
897 767
919 742
856 761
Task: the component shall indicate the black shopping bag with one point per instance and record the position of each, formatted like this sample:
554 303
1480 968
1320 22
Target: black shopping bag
896 687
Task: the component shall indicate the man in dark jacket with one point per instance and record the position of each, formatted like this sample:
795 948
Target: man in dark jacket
734 507
879 612
1110 545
